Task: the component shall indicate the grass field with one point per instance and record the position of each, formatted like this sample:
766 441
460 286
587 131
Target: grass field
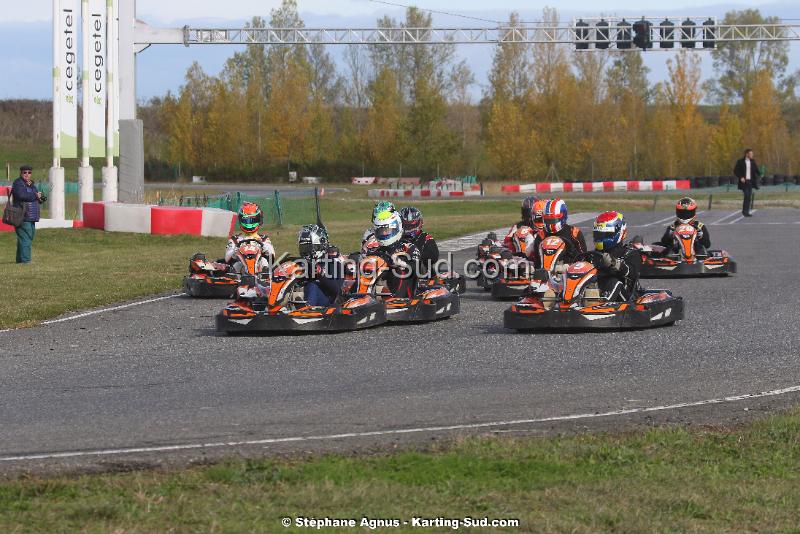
661 480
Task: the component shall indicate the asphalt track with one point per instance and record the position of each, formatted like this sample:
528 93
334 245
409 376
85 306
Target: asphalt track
153 383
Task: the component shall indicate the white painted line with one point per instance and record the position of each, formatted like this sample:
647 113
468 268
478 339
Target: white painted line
102 310
725 217
656 222
739 218
269 441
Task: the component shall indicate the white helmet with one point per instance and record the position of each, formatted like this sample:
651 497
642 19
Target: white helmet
388 227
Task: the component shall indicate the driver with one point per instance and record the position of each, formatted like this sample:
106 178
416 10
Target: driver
403 257
250 219
526 211
618 265
413 234
686 213
324 268
554 218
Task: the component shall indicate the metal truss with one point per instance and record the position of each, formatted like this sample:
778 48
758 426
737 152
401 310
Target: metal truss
531 34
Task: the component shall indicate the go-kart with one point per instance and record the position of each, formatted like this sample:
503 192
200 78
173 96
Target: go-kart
573 301
217 279
430 301
278 306
660 262
516 272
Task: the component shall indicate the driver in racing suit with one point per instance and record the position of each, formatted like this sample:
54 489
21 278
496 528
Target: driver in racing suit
403 257
527 212
618 265
324 268
250 219
554 218
423 241
686 213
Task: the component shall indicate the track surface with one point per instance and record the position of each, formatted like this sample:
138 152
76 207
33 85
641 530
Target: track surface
158 375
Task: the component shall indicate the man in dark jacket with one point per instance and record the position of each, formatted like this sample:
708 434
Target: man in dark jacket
747 176
28 198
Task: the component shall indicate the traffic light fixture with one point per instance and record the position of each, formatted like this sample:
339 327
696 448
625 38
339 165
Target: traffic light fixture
643 34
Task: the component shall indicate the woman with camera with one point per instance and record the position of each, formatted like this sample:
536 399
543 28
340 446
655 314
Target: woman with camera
27 197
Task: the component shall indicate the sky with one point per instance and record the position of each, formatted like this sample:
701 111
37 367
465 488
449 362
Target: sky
25 30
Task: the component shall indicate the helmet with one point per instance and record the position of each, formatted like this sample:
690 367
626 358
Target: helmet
250 218
412 221
554 215
538 211
312 241
383 205
609 230
388 228
686 210
527 208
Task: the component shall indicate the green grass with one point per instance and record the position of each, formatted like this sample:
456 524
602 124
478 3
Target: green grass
661 480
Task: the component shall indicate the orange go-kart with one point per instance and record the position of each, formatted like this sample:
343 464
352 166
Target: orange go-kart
660 262
217 279
431 301
573 301
277 306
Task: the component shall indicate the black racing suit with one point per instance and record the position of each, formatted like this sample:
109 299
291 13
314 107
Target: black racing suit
701 244
620 281
402 282
325 280
428 251
573 239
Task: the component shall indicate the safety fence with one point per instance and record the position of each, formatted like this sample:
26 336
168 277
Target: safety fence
278 208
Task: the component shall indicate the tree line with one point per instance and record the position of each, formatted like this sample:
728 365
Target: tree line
547 112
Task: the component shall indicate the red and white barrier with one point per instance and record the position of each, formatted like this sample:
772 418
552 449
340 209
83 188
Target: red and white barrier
599 187
46 223
420 193
364 180
158 220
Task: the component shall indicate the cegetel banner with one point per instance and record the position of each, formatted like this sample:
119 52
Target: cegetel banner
67 65
96 70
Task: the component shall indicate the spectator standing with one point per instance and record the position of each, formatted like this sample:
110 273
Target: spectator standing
28 198
747 175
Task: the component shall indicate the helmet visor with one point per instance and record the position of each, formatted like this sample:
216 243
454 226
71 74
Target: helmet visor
384 232
685 214
551 219
250 221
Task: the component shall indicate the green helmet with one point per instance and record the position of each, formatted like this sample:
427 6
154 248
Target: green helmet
383 205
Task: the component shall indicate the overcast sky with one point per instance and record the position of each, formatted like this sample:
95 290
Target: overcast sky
26 43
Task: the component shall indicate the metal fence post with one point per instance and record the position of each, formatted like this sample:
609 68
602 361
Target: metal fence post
278 209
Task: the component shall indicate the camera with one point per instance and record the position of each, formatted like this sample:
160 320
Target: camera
43 198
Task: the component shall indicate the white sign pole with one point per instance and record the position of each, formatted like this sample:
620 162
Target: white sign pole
85 173
110 171
97 78
63 44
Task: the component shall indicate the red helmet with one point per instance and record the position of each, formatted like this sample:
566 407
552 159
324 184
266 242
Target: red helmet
686 210
250 218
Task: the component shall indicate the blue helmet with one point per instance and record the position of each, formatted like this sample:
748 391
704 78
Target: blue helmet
610 230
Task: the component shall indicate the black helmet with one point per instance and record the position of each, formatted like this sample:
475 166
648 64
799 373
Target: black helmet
527 208
312 241
686 210
412 221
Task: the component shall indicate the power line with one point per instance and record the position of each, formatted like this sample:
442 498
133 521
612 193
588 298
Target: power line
436 11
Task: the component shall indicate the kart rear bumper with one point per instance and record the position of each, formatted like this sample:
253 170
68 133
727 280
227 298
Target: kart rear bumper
509 289
658 268
588 319
210 286
421 309
310 320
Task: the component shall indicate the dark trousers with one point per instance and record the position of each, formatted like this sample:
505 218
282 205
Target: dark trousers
747 189
25 233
